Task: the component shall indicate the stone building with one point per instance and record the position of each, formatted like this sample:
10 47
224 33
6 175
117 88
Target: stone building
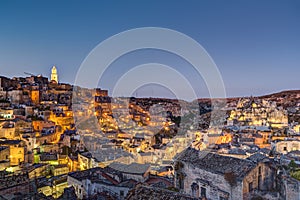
286 146
17 149
212 176
15 96
39 125
35 96
7 83
7 130
57 170
11 184
290 188
256 112
4 157
103 181
102 103
6 114
135 171
147 192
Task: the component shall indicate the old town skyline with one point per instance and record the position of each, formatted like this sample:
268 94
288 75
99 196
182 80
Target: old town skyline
257 39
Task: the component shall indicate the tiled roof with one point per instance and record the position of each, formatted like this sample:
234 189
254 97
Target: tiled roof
133 168
103 176
161 181
93 174
257 157
146 192
216 163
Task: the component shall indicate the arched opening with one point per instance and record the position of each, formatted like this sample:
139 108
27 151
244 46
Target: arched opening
195 190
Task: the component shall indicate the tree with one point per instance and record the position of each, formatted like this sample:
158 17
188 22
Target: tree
292 165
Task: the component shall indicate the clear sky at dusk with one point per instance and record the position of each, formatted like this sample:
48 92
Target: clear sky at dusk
255 44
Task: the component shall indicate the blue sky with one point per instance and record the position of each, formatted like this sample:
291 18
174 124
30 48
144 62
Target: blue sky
255 44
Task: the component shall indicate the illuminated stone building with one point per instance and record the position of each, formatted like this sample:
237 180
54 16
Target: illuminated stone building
39 125
4 157
256 112
35 96
7 130
64 120
6 114
286 146
60 169
17 150
102 103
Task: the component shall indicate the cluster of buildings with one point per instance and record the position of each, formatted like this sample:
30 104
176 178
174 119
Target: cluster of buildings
58 141
258 112
35 113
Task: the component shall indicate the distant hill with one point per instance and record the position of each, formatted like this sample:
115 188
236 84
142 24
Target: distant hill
283 94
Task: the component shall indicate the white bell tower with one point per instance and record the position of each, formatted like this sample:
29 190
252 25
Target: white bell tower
54 75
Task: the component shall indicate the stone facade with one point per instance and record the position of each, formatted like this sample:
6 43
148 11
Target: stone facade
292 188
94 181
256 112
219 177
286 146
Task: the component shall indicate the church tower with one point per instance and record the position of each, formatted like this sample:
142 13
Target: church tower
54 76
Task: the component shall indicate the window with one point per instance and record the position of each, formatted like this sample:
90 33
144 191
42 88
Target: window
203 192
195 190
122 193
250 186
181 183
284 148
259 182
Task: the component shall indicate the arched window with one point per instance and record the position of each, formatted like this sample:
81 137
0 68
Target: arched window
195 190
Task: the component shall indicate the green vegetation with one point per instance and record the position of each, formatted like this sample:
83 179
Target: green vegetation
294 170
296 174
292 165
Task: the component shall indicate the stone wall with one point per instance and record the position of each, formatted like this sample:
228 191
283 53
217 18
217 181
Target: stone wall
260 178
215 185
